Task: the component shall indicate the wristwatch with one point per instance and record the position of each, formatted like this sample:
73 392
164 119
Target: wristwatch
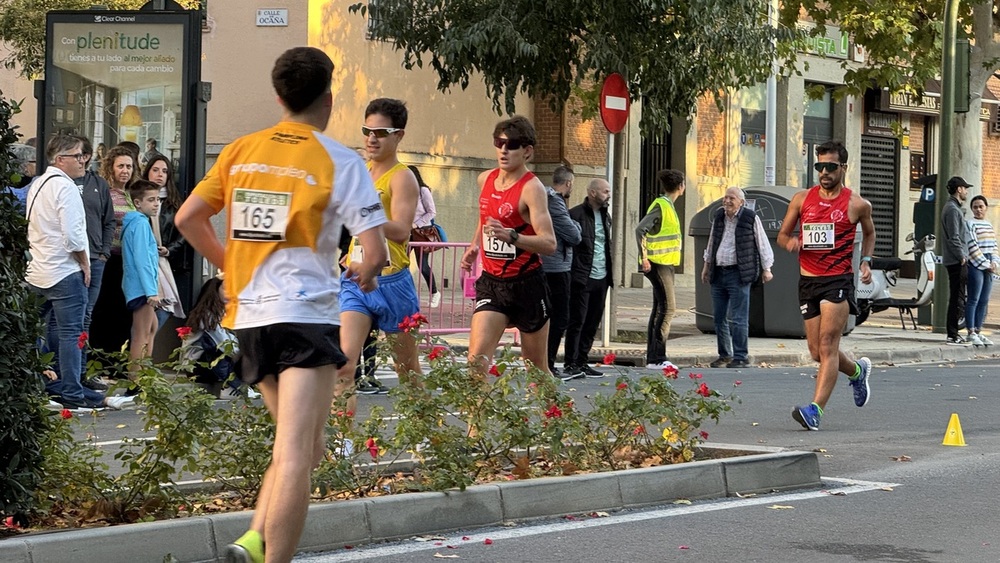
866 258
513 235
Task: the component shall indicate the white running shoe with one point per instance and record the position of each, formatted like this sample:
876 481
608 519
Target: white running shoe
346 448
975 340
984 340
435 300
662 365
119 402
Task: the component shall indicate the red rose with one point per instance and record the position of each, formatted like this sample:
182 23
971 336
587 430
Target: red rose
670 372
372 447
436 352
553 412
704 435
638 430
622 385
65 413
81 340
494 371
704 391
609 359
183 332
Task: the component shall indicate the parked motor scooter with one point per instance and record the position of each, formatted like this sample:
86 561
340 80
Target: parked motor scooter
874 297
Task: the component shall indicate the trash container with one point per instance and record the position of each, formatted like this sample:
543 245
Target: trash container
774 306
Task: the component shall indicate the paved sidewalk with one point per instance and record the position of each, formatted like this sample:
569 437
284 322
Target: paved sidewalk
881 338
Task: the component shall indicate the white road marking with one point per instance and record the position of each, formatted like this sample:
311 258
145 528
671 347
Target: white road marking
845 486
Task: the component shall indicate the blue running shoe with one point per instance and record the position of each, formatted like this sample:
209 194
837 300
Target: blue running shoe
861 389
807 416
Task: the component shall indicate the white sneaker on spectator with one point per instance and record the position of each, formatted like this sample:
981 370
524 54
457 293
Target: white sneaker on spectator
984 340
435 300
662 365
119 402
345 449
974 339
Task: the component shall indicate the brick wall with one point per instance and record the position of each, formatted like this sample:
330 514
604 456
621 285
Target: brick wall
991 155
917 124
711 138
576 142
548 127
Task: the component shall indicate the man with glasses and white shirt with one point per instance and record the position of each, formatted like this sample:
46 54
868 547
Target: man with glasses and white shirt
395 298
59 269
829 215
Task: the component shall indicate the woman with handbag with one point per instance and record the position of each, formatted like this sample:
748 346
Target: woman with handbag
168 239
424 230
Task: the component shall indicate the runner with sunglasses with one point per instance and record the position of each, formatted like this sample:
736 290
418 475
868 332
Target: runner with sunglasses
396 297
514 228
829 214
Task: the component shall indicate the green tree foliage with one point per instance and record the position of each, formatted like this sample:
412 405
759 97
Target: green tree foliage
669 51
21 418
902 41
22 27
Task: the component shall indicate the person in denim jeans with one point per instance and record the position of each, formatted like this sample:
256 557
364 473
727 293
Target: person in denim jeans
737 251
983 264
59 269
100 215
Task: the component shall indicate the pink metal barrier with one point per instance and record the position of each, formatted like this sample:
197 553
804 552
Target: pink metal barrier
454 312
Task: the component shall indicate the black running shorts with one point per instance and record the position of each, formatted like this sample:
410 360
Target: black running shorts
274 348
523 299
813 290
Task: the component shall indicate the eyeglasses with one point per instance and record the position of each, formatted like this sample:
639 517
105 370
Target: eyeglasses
511 144
380 132
80 157
827 166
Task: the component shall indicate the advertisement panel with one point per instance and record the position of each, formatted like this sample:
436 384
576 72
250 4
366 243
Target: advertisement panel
116 79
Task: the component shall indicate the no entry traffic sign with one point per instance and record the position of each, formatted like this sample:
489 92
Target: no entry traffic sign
614 103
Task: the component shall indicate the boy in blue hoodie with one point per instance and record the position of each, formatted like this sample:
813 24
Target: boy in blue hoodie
140 281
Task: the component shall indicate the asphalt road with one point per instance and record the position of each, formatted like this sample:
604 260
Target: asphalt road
942 506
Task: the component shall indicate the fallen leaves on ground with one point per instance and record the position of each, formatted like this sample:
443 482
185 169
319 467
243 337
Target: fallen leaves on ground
780 507
443 556
682 501
901 458
745 495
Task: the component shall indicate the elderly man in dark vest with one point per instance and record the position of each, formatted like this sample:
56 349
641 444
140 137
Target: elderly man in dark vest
737 250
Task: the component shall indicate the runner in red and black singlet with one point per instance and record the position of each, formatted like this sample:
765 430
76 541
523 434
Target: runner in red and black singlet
502 259
828 215
514 228
827 235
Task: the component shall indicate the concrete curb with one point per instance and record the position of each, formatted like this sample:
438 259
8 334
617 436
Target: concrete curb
337 524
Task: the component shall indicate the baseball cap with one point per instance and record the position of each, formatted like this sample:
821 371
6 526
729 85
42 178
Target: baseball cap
957 182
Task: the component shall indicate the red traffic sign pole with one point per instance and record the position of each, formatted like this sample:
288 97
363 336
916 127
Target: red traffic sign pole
614 103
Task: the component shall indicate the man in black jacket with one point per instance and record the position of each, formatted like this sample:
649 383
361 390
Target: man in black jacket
590 278
100 215
954 255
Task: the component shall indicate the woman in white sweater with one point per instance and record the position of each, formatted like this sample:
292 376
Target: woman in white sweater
984 263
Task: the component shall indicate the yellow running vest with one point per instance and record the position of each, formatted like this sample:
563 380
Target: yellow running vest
399 252
664 247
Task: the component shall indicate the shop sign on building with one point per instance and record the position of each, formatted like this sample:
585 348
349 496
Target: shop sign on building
834 43
880 123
